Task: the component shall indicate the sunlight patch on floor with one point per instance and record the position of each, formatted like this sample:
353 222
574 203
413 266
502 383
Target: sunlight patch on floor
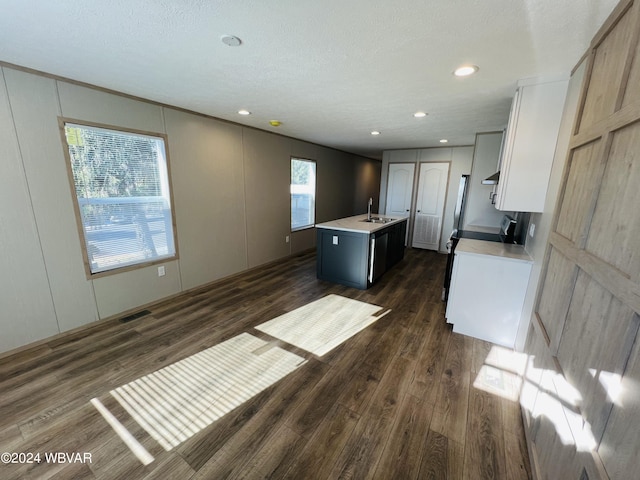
175 402
130 441
501 373
322 325
498 382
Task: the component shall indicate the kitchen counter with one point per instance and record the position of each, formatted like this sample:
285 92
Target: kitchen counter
355 224
468 246
488 285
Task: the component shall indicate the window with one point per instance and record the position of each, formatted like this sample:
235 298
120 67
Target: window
303 193
123 203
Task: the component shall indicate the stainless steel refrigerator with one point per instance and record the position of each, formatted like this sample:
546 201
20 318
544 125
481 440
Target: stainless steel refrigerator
458 218
458 214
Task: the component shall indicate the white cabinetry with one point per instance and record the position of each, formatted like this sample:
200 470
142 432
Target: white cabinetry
487 290
529 146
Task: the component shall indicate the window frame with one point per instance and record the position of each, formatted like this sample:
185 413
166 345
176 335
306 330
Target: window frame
62 123
315 192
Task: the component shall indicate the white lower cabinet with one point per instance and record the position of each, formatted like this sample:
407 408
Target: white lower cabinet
487 294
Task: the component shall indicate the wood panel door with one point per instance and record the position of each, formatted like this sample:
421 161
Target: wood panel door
584 420
432 193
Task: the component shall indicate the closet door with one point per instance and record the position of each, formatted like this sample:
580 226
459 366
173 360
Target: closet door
400 191
432 192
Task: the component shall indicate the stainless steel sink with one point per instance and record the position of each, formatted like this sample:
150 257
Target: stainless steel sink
378 220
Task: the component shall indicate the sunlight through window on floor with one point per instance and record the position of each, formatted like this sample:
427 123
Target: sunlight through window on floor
130 441
502 373
176 402
320 326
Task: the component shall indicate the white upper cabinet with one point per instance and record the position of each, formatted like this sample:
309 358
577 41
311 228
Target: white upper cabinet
529 146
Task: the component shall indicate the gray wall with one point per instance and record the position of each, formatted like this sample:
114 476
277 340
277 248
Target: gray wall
231 203
480 212
459 158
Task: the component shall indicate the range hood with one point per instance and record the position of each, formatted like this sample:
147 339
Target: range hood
492 180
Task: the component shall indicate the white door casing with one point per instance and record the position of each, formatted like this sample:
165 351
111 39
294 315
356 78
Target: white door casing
432 191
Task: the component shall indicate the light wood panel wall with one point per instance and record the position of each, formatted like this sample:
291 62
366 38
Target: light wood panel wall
581 399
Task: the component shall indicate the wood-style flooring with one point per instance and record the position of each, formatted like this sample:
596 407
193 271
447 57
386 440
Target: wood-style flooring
395 401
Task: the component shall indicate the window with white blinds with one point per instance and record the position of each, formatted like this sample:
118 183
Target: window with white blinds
121 186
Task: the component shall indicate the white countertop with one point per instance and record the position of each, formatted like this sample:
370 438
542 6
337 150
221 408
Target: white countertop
467 246
355 224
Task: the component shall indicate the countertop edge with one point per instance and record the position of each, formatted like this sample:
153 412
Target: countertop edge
355 225
515 253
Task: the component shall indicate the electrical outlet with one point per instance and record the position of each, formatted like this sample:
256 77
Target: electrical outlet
161 271
532 229
286 239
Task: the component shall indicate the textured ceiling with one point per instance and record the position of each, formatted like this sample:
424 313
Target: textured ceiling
331 71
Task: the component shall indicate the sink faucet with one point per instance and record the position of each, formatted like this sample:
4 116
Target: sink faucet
369 208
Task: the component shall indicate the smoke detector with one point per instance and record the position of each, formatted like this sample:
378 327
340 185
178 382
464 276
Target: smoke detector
230 40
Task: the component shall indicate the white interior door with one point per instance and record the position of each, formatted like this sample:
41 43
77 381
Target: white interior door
400 191
432 191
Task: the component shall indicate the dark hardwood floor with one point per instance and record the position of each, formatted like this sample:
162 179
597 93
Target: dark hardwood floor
395 401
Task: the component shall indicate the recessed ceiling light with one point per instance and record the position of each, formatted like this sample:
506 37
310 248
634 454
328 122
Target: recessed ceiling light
375 132
465 70
419 114
275 123
244 112
230 40
444 140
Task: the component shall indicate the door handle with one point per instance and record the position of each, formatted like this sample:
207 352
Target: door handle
418 211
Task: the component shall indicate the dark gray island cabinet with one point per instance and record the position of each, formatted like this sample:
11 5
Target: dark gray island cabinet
355 252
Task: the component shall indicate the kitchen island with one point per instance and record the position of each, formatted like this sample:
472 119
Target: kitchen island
356 251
